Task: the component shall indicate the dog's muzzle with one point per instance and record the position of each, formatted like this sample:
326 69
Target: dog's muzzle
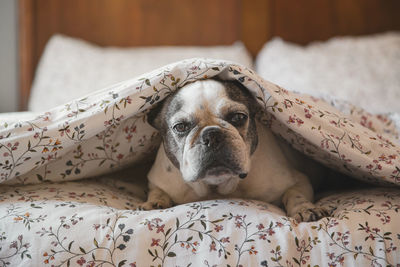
212 138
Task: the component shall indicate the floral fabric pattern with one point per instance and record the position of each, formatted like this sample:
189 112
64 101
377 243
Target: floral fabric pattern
87 223
48 218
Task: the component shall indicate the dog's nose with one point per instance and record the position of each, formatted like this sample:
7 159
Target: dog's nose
242 175
211 136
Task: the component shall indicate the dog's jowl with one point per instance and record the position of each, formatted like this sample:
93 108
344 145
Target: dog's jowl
213 147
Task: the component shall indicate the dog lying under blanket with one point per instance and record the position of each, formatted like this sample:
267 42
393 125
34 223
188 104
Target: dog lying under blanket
213 147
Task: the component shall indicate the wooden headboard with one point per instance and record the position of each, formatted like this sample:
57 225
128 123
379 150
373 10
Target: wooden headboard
193 22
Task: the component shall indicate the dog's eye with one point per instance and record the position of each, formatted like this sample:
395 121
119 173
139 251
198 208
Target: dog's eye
181 127
238 118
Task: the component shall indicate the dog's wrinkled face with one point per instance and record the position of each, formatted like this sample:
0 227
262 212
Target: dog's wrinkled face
209 132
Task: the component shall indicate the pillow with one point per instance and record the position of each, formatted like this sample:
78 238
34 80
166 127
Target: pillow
362 70
71 68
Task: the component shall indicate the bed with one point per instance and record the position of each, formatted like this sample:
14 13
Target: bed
73 169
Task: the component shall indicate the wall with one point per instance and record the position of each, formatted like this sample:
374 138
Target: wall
8 56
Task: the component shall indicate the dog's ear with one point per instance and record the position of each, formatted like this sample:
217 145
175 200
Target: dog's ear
240 93
154 116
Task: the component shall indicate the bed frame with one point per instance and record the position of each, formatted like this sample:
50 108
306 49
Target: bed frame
193 22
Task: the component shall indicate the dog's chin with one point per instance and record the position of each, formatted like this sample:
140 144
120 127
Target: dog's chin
218 171
216 180
223 179
218 175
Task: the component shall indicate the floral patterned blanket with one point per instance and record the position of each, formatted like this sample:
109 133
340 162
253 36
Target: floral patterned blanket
46 218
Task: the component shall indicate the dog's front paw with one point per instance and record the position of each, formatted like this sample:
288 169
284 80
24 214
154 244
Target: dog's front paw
154 205
156 199
311 214
162 202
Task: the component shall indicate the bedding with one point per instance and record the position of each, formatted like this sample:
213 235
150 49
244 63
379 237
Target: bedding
78 67
49 218
88 224
363 70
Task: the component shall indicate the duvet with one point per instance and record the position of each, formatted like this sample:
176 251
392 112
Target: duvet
51 216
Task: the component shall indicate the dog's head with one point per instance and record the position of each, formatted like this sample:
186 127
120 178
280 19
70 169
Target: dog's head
208 129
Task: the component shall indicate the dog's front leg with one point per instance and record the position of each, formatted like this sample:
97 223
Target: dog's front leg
298 201
156 199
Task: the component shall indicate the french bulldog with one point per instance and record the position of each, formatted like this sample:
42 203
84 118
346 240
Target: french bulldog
213 147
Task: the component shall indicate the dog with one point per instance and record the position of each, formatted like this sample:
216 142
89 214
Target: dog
213 147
